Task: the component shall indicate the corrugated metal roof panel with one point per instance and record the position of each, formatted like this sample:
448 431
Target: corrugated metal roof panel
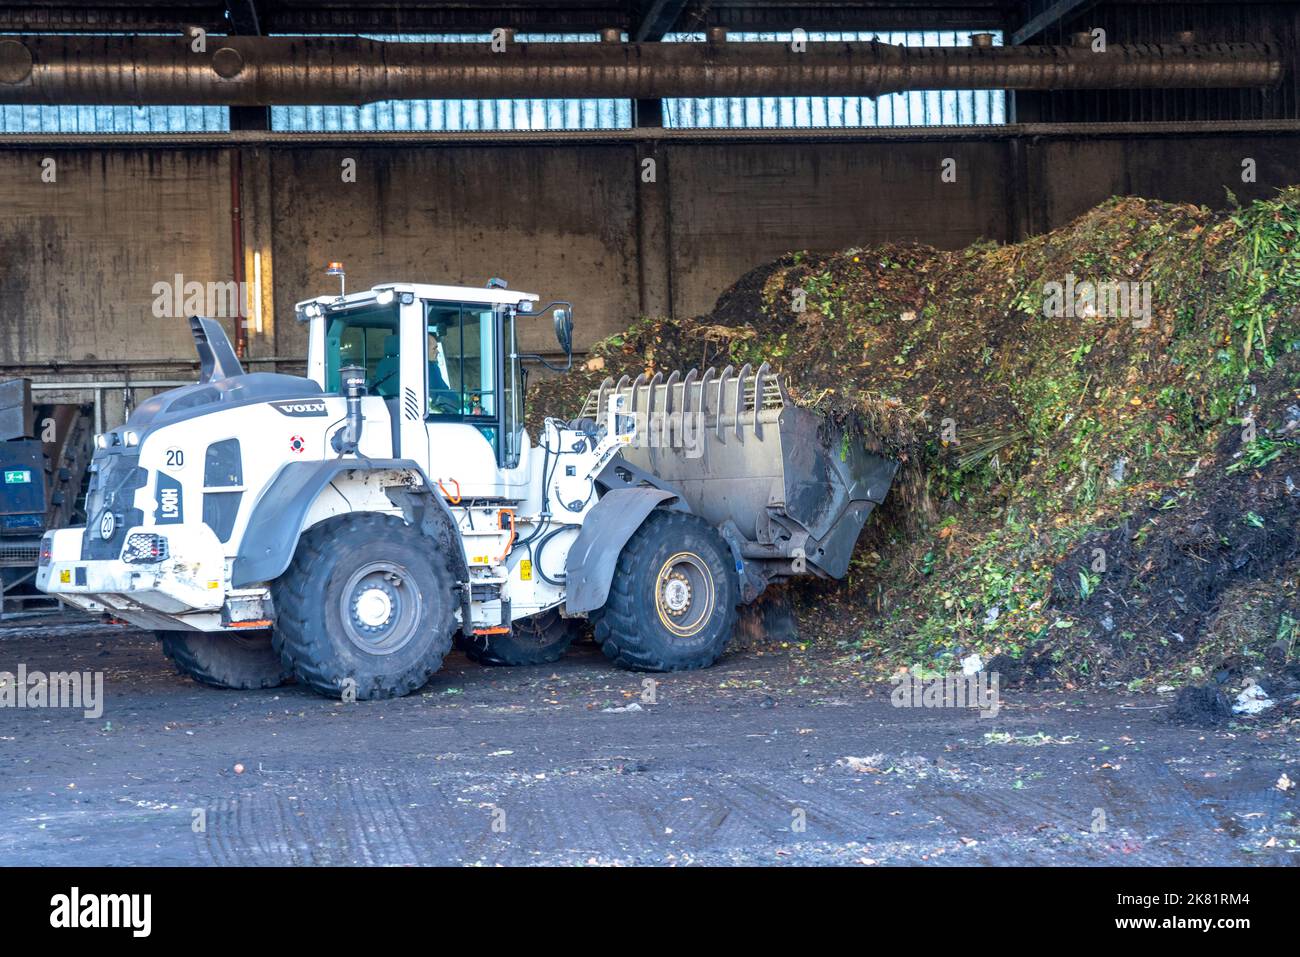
929 108
458 115
114 119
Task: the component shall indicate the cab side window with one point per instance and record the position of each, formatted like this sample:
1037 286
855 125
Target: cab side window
466 367
442 329
461 361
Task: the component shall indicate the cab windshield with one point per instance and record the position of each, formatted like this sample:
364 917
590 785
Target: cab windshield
367 337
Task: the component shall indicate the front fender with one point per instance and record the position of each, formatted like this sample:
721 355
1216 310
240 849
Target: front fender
589 568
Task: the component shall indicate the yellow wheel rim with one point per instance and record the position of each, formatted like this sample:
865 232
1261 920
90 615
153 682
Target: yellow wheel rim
684 594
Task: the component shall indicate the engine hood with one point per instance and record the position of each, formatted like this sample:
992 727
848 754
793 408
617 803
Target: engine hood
223 384
203 397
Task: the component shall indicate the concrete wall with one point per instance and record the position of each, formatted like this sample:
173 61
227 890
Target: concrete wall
736 206
1074 175
79 257
559 222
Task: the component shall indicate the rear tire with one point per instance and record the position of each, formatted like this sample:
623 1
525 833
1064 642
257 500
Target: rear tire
672 604
536 640
239 661
367 600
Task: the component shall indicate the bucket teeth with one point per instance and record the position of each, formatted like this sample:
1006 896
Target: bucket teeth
728 402
781 481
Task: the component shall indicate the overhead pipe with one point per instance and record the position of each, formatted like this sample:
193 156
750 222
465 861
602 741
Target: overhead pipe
264 71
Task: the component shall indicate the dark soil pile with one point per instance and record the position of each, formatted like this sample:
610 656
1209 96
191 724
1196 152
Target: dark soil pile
1089 489
1215 561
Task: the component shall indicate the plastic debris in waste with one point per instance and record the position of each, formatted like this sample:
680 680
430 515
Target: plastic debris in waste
1252 700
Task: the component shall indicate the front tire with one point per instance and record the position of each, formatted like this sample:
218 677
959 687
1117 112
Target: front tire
672 604
240 661
368 604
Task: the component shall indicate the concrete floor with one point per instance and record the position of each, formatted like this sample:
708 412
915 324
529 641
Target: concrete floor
528 765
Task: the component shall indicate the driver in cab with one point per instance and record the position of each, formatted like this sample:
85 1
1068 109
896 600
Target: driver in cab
442 398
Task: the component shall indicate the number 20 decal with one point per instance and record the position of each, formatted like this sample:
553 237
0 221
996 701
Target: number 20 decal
175 458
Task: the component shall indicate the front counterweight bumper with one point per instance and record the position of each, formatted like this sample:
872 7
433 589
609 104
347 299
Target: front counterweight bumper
187 589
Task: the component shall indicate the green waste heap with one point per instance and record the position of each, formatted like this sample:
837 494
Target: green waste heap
1098 429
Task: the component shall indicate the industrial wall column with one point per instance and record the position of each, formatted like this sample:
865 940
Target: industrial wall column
237 249
654 266
259 71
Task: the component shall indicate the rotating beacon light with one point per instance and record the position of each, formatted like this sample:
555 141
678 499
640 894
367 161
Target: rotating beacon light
336 269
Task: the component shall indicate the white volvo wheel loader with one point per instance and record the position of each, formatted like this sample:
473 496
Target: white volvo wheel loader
345 528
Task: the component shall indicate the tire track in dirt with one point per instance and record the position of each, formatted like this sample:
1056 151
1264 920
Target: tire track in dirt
712 774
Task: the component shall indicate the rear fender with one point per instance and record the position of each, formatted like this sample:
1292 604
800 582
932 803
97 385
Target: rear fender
271 536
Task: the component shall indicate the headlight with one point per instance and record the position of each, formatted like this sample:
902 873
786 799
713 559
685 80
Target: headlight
145 548
131 438
47 550
385 297
101 440
313 310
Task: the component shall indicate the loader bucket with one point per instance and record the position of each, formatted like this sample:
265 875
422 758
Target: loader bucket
785 482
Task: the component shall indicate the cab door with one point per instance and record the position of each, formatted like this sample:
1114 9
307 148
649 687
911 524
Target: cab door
411 399
461 413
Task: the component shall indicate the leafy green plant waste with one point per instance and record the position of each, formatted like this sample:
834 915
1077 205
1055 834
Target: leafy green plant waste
1084 495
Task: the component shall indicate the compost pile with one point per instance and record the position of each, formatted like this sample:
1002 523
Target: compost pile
1089 490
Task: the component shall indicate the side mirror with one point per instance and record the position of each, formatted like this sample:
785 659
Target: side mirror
563 335
564 330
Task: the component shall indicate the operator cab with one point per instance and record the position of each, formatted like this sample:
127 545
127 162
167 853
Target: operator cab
444 360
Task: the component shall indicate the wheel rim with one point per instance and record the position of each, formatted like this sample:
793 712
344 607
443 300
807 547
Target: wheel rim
684 594
380 607
538 630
